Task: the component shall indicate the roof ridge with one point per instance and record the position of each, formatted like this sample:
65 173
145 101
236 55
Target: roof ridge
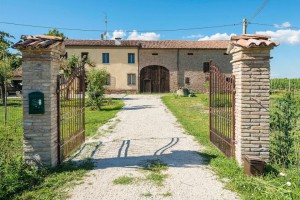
149 40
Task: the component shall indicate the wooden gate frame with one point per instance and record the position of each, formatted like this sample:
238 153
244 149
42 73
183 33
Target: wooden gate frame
76 119
222 122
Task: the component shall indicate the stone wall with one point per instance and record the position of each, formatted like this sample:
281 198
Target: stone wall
182 66
165 58
40 70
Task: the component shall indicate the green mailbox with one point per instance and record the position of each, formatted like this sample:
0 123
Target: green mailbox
36 103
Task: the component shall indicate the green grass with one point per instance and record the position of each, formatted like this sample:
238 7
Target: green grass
124 180
19 181
56 181
95 118
193 114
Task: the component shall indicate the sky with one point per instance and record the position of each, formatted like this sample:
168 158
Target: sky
149 20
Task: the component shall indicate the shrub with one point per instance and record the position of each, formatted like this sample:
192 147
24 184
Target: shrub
96 81
284 118
17 176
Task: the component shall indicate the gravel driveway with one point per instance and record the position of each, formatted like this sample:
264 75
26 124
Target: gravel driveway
144 131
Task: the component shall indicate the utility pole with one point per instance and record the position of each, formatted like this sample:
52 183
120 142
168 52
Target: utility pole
245 23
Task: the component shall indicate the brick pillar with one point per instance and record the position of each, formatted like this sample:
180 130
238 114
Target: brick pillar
251 68
40 69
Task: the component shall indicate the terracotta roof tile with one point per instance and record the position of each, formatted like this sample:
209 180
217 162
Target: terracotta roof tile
39 41
158 44
254 40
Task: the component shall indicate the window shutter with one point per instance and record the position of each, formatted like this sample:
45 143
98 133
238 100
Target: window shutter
105 57
128 79
131 58
133 79
107 79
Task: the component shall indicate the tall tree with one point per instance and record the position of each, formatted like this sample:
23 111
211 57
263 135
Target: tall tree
8 61
56 32
5 43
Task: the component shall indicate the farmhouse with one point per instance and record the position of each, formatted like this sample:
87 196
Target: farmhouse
153 66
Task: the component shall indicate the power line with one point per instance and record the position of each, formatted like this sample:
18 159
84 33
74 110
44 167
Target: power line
273 25
99 30
247 21
258 10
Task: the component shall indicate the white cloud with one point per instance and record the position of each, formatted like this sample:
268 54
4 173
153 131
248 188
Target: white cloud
143 36
283 25
288 36
194 36
218 36
118 34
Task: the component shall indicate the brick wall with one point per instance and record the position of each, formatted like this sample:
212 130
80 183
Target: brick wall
251 68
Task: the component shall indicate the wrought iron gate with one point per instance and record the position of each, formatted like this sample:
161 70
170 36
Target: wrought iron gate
71 111
221 113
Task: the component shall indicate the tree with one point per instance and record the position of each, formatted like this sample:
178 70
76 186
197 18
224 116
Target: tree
5 75
56 32
96 81
70 64
5 43
8 61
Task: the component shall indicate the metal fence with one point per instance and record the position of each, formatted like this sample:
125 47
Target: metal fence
222 101
71 112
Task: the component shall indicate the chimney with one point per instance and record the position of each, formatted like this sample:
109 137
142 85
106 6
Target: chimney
118 41
102 37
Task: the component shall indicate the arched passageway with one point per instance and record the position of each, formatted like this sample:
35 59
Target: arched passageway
154 79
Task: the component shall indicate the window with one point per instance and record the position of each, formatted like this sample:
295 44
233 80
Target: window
107 81
154 54
187 80
131 79
105 57
66 55
84 56
206 67
131 58
190 54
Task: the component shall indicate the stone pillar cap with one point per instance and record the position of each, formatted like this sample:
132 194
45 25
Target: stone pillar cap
251 41
38 42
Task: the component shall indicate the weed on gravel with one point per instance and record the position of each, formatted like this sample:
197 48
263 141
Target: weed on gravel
155 165
148 194
167 194
124 180
157 178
